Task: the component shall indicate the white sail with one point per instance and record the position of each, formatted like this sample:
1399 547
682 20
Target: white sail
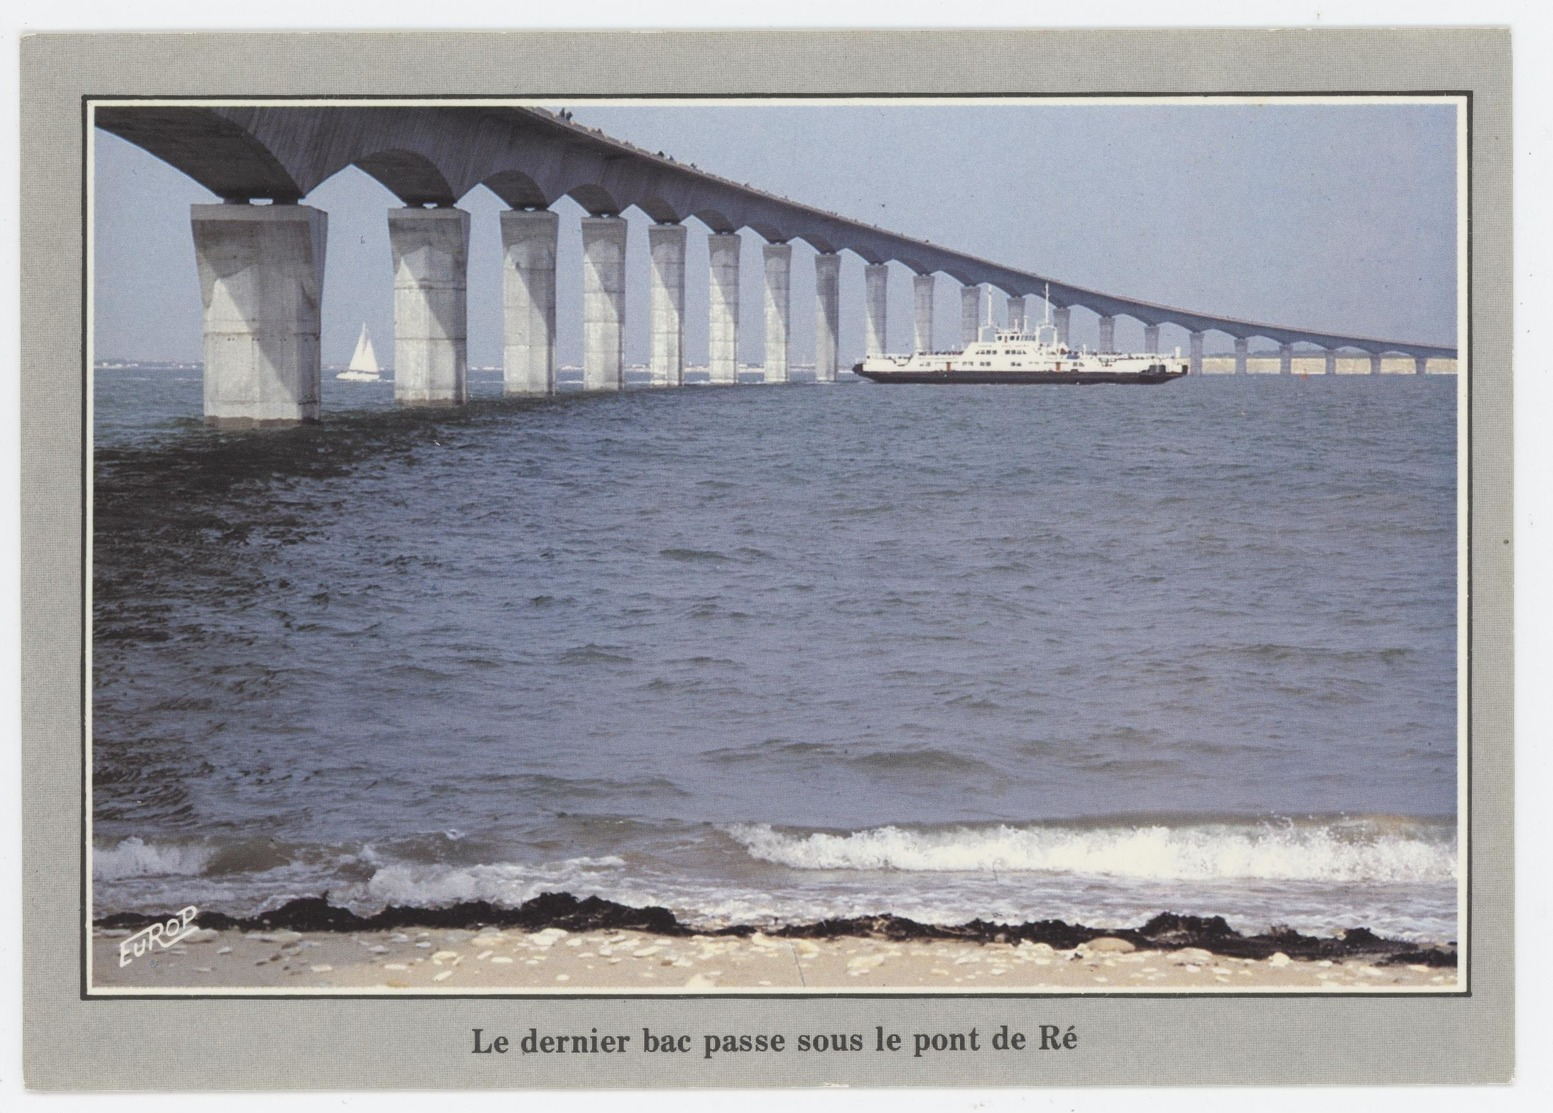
363 366
365 358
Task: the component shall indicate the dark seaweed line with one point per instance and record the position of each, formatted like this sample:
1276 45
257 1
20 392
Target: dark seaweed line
1165 932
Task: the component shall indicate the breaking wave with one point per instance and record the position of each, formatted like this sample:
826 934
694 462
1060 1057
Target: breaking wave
134 857
405 883
1358 851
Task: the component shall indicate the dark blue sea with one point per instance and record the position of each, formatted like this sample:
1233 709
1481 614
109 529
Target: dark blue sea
773 654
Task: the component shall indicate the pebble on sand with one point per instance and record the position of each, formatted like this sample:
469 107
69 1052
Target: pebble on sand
1107 945
1191 956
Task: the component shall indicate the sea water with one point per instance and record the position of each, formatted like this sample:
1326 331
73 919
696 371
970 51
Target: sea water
773 654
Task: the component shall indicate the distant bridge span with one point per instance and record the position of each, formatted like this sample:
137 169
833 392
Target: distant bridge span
261 267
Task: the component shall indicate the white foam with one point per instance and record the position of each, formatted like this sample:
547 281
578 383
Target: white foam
1348 853
406 883
1395 877
136 858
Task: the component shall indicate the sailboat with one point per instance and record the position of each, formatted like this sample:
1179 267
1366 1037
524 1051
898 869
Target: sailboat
363 366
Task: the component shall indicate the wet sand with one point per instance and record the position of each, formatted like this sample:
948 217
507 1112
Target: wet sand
554 960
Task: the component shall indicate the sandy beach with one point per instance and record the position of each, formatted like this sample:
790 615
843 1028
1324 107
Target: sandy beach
554 960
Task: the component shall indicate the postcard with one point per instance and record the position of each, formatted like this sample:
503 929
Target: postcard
572 559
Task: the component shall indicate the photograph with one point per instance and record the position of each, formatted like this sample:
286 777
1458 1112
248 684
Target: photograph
763 546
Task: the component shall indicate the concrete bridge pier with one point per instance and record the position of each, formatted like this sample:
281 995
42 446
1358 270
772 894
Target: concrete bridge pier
1018 311
1375 358
1331 367
528 300
1108 334
1151 338
1241 346
666 246
1420 365
970 314
723 329
1062 318
1195 341
922 318
779 272
876 285
261 272
1285 359
431 335
827 316
603 302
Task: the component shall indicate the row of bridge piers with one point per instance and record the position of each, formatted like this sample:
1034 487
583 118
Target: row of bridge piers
261 277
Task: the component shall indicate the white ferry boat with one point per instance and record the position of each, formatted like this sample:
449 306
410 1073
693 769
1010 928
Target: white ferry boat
1016 356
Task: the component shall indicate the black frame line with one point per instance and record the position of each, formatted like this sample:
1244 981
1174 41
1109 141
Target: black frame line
1464 757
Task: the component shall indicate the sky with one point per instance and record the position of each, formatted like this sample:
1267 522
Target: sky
1335 217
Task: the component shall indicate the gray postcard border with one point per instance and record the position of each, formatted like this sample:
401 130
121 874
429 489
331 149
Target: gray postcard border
343 1043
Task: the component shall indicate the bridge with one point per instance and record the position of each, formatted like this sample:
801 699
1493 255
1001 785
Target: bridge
261 265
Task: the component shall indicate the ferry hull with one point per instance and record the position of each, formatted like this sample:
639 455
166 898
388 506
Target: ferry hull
960 378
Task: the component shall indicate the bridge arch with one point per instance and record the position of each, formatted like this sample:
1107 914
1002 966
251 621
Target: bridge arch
820 243
769 231
216 152
596 199
715 220
660 210
517 190
409 176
